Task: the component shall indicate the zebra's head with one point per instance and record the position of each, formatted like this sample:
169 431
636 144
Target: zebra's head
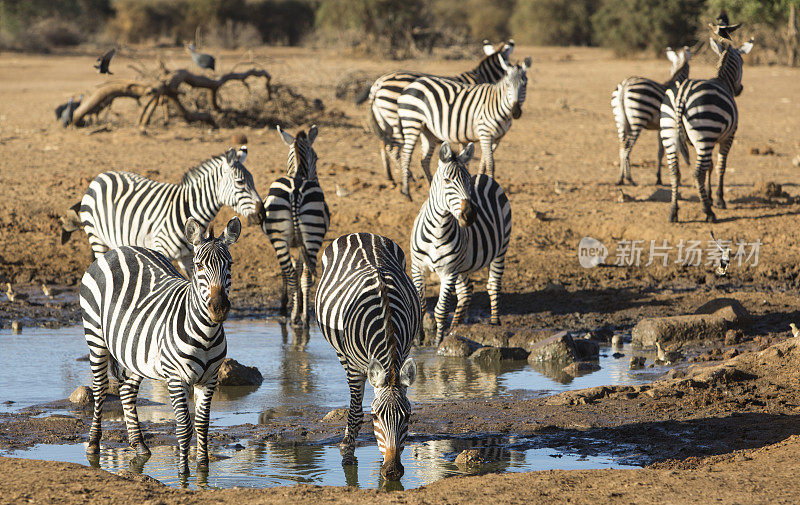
680 62
729 67
211 280
236 188
516 83
391 411
451 187
302 161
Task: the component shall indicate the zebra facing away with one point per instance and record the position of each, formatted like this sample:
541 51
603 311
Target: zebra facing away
636 103
297 216
704 111
143 319
386 90
368 310
439 110
462 227
122 208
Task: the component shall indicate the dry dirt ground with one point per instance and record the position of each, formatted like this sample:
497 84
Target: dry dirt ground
557 164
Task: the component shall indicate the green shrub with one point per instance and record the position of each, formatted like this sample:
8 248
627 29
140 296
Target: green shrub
553 22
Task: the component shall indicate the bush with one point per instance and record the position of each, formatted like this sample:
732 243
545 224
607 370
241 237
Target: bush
282 21
39 25
488 19
553 22
627 26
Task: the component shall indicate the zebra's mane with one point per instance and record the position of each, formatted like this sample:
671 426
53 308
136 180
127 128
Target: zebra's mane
197 173
388 328
727 54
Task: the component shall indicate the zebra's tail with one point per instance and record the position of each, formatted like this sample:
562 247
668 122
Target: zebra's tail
680 131
618 105
365 93
298 233
70 222
385 134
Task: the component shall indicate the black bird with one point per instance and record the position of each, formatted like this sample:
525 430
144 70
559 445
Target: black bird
65 110
103 61
723 28
202 60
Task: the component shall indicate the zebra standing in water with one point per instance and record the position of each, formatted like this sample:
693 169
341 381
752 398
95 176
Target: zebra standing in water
636 104
705 112
122 208
368 310
297 216
440 110
143 319
462 227
386 90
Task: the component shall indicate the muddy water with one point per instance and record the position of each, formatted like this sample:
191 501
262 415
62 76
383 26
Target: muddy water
40 366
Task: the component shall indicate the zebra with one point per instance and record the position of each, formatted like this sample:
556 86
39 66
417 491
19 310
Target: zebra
440 110
636 103
297 216
122 208
143 319
386 90
368 310
462 227
705 112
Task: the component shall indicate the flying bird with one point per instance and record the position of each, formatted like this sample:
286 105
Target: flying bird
722 27
202 60
103 61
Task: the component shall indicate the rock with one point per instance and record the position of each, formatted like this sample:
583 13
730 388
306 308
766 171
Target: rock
469 457
559 347
232 373
637 362
617 355
733 337
709 322
113 386
676 374
730 353
616 341
81 396
496 354
139 477
16 327
586 349
336 415
769 189
581 367
453 345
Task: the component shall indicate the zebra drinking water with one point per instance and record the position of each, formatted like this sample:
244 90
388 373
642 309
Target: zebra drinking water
297 216
122 208
440 110
636 103
368 310
462 227
704 111
386 90
142 319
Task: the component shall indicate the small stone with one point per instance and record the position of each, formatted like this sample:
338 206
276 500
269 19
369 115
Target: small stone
730 353
336 415
469 457
617 355
733 336
233 373
459 347
637 362
497 354
559 347
616 341
580 367
16 327
81 396
796 161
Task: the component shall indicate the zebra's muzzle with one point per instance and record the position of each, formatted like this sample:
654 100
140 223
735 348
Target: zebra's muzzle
259 216
392 468
218 305
467 215
516 111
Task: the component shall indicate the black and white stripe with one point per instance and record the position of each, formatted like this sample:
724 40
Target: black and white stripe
368 309
122 208
297 216
439 110
704 111
636 103
386 90
463 226
143 319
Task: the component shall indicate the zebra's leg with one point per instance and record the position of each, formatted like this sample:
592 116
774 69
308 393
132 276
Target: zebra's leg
128 391
427 144
674 173
464 296
202 410
306 281
411 133
178 393
625 147
286 263
487 157
442 311
385 160
494 285
418 277
702 165
98 359
722 164
298 309
356 381
659 162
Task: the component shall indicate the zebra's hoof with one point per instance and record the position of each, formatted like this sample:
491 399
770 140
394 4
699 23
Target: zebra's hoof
202 465
631 182
183 470
620 182
711 218
349 460
141 449
673 216
720 204
494 322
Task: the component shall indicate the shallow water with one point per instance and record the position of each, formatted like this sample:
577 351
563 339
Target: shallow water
40 366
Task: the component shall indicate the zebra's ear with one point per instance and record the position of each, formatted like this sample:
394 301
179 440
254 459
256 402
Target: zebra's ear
193 232
716 47
230 156
508 48
241 154
232 231
672 56
376 374
408 372
526 63
488 48
446 153
747 47
466 155
312 134
287 139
